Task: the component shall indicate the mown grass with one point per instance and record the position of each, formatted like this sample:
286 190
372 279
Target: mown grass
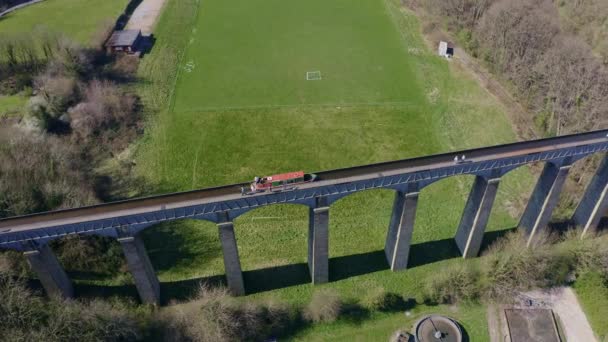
257 54
381 326
76 19
592 291
11 105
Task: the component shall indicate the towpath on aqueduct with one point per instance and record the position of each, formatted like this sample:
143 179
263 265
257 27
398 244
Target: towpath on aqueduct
126 219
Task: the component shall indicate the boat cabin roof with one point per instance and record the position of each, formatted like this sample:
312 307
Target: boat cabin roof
284 176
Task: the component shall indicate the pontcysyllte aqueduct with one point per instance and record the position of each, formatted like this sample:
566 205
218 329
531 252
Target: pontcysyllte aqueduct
221 205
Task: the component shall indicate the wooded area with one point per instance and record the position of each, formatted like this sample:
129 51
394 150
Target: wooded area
78 113
554 73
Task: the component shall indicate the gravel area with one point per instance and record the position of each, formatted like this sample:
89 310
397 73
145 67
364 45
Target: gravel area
145 16
564 303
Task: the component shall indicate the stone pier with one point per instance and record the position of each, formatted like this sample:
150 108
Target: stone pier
232 263
52 276
141 268
318 244
475 216
538 212
594 203
401 227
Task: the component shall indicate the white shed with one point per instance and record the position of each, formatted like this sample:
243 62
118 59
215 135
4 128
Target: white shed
446 49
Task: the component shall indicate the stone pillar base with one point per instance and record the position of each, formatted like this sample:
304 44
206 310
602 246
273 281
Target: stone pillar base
594 203
538 212
141 268
232 263
52 276
401 227
475 216
318 255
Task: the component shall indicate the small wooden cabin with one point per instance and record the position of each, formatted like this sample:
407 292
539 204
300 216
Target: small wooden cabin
126 41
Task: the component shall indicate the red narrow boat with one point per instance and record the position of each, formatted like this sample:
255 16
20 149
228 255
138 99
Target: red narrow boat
277 183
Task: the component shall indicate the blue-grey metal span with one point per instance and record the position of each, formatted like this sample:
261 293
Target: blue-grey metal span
221 205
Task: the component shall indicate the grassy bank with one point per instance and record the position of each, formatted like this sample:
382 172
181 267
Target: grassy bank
78 19
11 105
592 292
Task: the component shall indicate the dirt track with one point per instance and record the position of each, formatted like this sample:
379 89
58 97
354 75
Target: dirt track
566 306
145 16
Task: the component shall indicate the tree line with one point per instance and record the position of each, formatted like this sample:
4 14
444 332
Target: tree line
79 112
554 73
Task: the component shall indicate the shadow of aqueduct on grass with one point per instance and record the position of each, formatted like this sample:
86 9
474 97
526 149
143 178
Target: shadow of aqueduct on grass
468 238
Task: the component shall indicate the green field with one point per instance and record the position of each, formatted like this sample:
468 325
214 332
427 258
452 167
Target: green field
241 106
227 98
257 54
11 105
77 19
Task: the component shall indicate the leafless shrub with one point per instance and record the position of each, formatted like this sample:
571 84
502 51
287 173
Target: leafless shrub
574 86
105 107
57 91
216 316
587 20
515 35
462 13
90 254
124 68
453 284
19 308
28 317
13 263
39 173
589 254
92 321
511 267
325 306
381 300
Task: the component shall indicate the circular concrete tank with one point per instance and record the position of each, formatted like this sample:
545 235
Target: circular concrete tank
435 328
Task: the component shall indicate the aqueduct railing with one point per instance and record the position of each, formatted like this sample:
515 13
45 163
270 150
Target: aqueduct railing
125 220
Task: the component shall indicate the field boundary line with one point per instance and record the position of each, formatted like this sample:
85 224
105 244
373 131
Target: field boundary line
304 105
180 59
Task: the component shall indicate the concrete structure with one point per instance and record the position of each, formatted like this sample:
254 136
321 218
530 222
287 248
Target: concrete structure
475 217
531 324
544 198
52 276
318 242
222 205
437 328
232 263
400 230
594 203
445 49
140 267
